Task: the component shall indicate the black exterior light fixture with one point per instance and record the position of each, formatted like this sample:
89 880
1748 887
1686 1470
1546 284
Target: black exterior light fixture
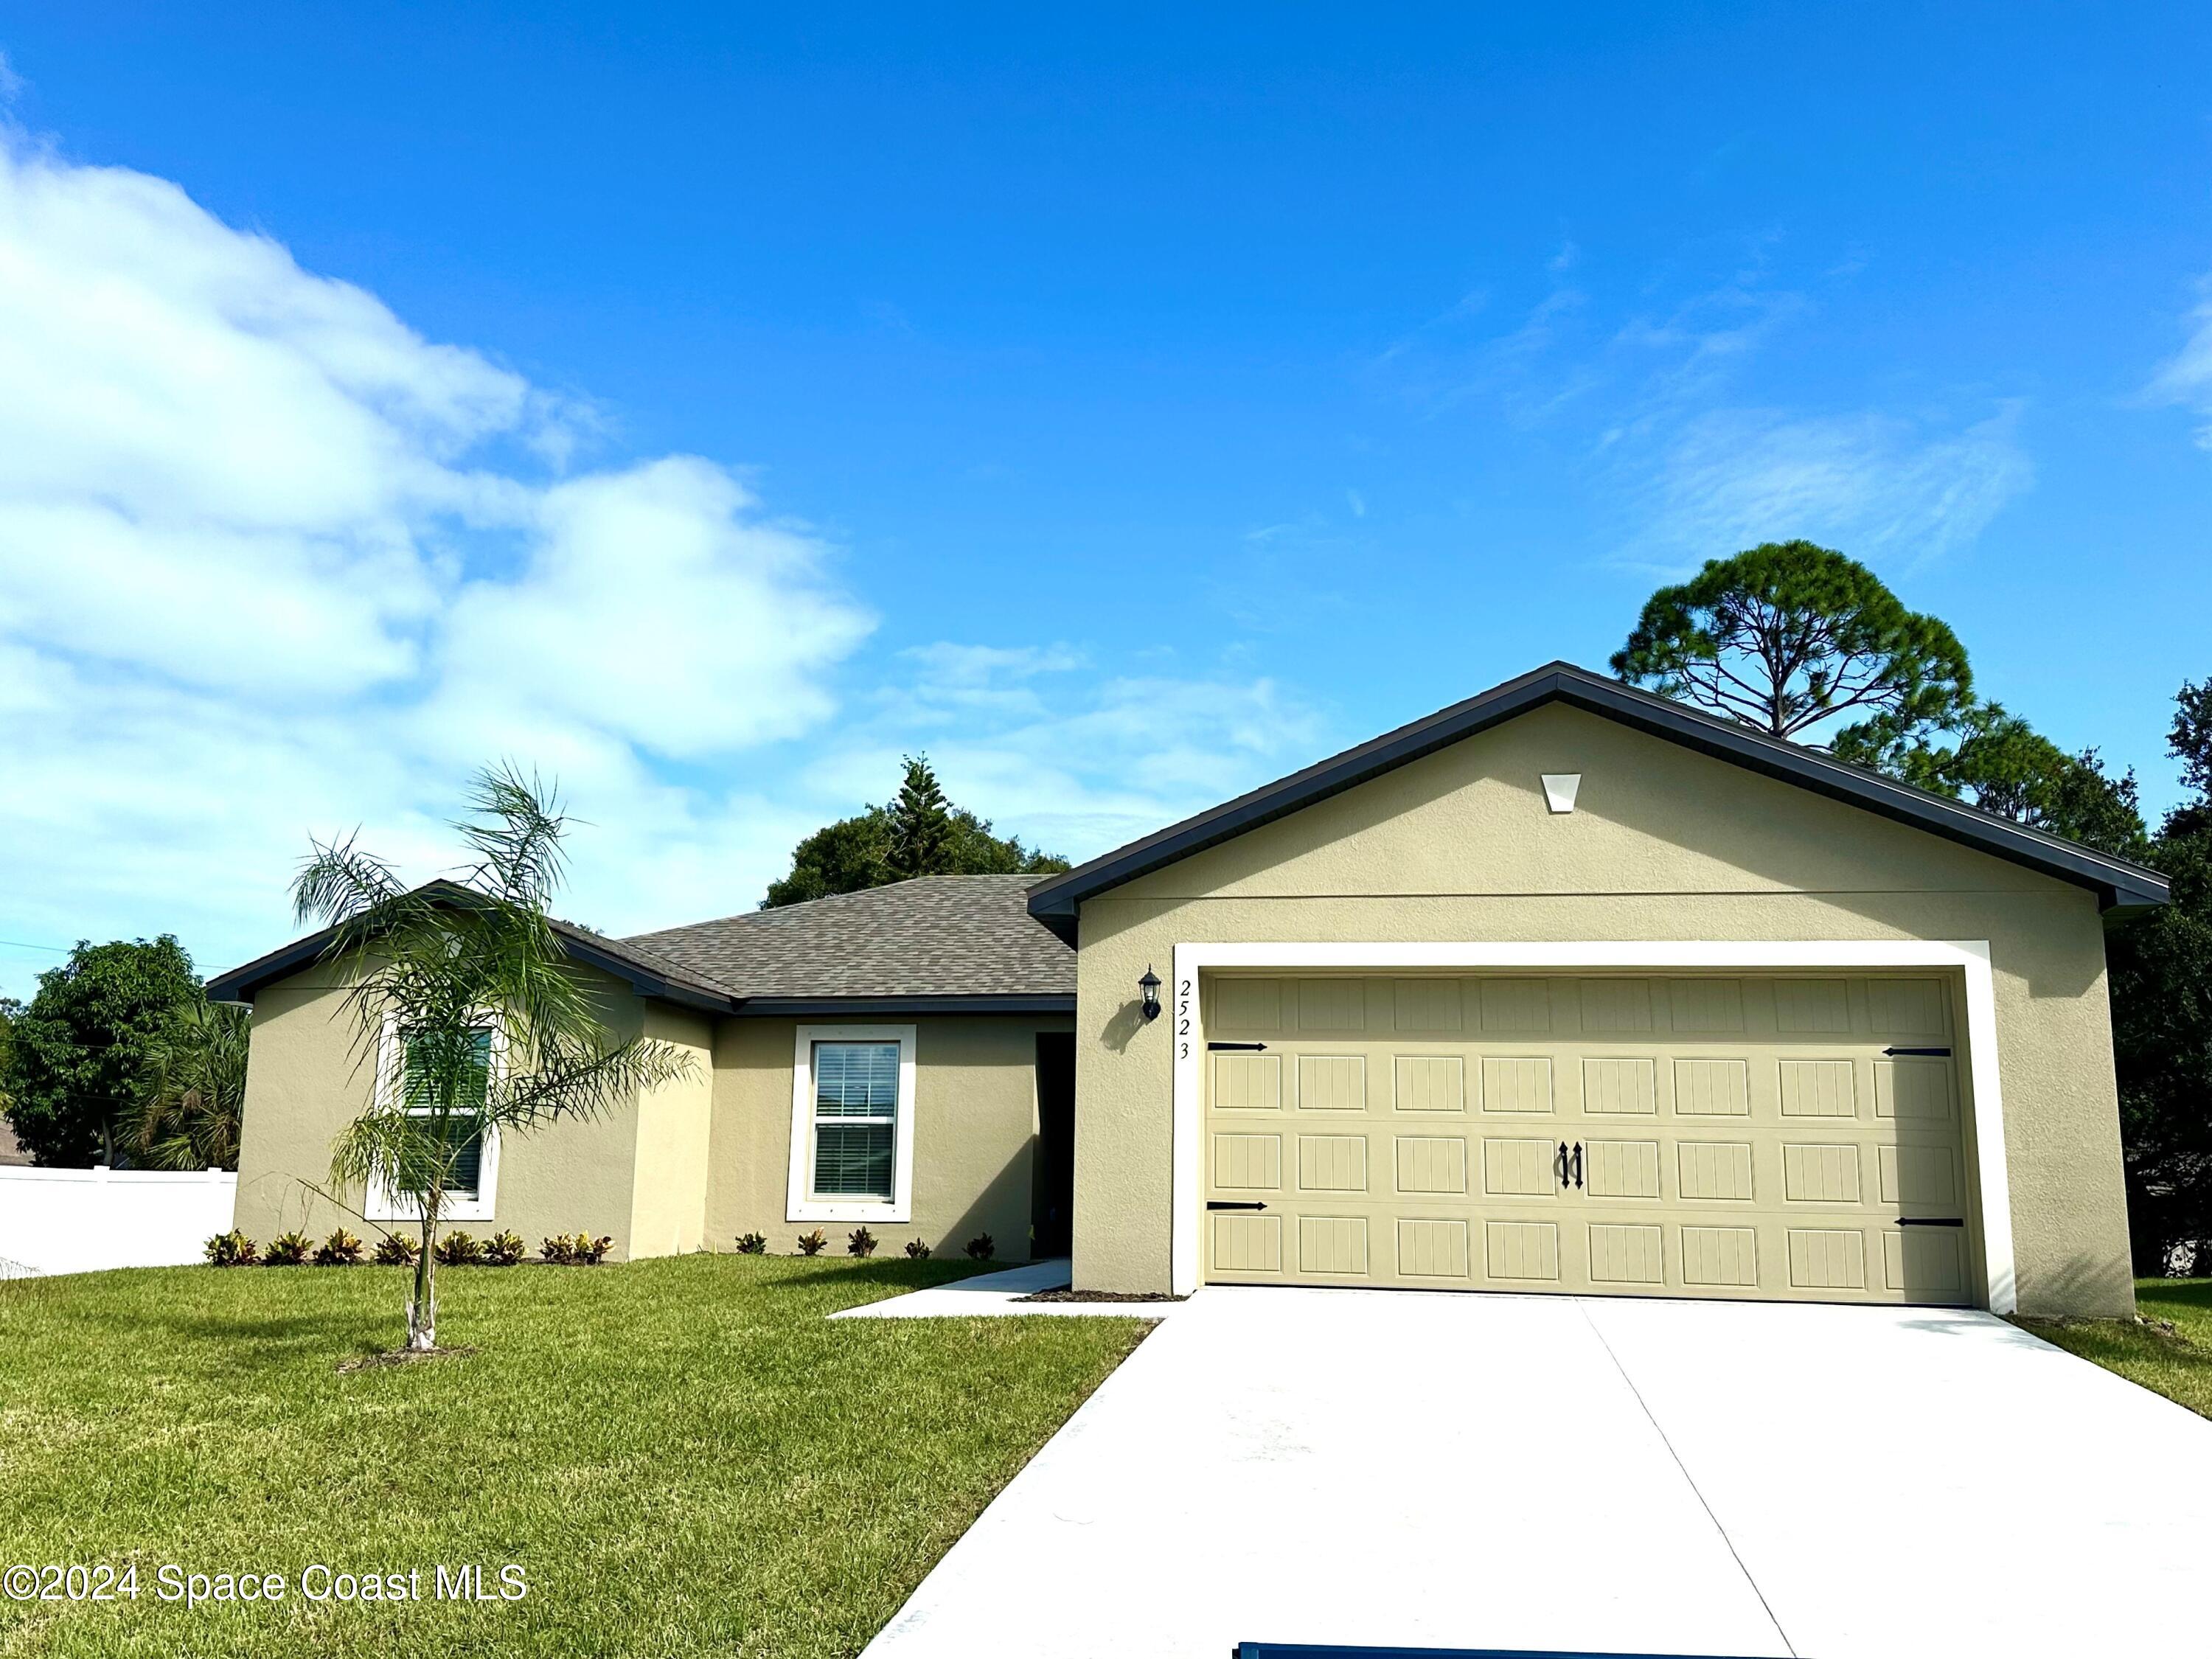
1150 985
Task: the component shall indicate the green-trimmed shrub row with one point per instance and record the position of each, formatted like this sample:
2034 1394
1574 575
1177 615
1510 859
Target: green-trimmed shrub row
456 1249
862 1241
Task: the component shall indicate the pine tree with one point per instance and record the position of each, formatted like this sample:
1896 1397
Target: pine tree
921 825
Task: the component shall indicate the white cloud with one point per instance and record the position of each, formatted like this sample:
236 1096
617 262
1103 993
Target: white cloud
2186 378
1872 485
272 563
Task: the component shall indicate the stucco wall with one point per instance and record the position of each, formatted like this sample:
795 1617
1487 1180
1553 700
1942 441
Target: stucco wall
975 1134
1665 844
668 1200
303 1085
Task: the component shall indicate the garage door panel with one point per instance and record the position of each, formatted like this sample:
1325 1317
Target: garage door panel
1699 1005
1820 1173
1712 1088
1519 1168
1616 1087
1827 1259
1925 1263
1333 1164
1431 1164
1333 1245
1248 1163
1917 1090
1430 1083
1432 1249
1818 1088
1521 1252
1713 1171
1622 1169
1517 1085
1623 1254
1721 1154
1332 1082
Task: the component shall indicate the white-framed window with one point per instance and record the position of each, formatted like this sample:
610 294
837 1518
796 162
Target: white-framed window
852 1124
474 1188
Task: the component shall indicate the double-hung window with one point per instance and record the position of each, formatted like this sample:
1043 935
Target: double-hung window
851 1123
470 1154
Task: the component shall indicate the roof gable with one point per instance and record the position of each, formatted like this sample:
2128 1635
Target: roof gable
2119 886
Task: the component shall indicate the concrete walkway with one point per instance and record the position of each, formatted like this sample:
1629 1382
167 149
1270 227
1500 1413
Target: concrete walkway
999 1296
1616 1475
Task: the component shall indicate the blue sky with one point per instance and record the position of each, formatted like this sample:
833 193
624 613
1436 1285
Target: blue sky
709 406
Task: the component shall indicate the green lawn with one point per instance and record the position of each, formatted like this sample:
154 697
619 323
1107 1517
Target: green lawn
683 1457
2178 1365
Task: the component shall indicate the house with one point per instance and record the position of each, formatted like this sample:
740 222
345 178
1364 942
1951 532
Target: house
1565 987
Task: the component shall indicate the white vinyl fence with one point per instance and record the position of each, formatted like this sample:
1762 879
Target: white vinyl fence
73 1221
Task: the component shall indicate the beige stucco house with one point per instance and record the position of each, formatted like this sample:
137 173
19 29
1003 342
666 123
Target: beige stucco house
1566 988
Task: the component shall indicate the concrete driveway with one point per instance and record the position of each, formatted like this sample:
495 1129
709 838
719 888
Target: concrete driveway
1644 1477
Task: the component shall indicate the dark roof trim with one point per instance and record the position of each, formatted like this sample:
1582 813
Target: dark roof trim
850 1007
2121 887
647 978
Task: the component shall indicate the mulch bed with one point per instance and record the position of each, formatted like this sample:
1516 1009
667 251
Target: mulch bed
1063 1294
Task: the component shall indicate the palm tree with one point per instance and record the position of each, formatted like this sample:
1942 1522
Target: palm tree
191 1089
465 1009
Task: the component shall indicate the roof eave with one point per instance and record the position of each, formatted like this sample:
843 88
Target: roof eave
2120 886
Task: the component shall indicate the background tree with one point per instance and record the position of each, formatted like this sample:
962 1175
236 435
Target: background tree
862 851
1997 762
2161 973
191 1090
1788 637
495 1032
75 1054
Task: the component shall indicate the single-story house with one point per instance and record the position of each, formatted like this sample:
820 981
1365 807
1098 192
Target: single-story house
1565 987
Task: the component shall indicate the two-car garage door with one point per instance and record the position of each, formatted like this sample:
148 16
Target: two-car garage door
1781 1137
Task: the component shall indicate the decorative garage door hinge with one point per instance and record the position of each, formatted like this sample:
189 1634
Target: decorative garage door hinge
1240 1048
1225 1204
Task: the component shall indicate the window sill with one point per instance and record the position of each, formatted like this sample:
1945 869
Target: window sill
851 1210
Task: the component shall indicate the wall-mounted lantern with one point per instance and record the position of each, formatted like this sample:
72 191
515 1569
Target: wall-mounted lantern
1150 987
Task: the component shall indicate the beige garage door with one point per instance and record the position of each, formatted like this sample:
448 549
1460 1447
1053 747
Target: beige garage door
1795 1138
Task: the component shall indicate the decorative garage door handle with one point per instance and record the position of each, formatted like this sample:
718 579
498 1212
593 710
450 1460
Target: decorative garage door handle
1569 1167
1226 1204
1578 1163
1561 1163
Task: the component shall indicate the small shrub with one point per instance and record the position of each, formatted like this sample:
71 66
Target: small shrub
753 1244
504 1249
813 1243
340 1249
573 1249
231 1249
287 1249
918 1250
460 1250
860 1241
396 1250
981 1247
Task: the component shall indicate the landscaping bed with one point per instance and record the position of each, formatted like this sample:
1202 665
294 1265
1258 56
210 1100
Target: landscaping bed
682 1457
2169 1349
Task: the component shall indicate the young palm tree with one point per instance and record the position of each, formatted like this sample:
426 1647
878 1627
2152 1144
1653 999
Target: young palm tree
465 1009
191 1092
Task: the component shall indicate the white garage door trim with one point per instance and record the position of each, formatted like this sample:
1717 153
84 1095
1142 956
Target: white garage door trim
1970 957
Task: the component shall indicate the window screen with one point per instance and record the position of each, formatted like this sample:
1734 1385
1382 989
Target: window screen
855 1119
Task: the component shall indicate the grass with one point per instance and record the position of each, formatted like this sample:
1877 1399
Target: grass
2178 1365
683 1457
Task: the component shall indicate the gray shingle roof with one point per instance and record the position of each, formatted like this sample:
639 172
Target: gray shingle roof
936 936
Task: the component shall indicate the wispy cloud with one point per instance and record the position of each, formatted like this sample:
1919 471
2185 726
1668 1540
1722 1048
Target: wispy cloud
2185 379
1877 486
